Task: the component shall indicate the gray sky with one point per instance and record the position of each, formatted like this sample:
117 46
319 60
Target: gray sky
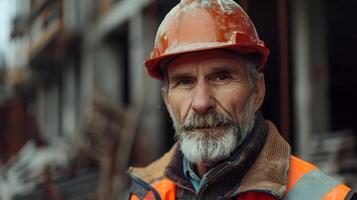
6 10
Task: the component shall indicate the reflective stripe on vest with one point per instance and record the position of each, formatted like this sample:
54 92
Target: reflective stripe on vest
311 186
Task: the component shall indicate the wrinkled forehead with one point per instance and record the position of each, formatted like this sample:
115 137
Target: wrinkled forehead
216 58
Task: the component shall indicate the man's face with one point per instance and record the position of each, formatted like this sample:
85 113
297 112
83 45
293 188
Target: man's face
211 102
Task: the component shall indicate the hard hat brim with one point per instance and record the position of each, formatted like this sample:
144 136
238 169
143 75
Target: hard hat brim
153 68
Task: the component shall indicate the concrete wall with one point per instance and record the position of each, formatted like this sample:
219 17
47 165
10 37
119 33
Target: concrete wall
310 67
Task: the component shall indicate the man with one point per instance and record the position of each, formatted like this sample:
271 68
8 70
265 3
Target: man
210 58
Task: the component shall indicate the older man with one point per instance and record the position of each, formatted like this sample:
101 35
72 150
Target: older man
210 58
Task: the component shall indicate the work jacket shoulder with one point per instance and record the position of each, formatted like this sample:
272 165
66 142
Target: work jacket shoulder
306 181
149 182
156 169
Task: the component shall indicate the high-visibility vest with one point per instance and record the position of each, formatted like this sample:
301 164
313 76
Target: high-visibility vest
305 182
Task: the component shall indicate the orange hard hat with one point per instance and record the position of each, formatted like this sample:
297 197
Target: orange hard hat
197 25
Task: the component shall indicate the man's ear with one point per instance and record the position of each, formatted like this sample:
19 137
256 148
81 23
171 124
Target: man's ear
259 92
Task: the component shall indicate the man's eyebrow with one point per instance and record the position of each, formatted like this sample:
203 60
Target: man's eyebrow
178 75
224 69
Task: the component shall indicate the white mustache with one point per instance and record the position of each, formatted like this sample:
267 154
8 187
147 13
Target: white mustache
210 120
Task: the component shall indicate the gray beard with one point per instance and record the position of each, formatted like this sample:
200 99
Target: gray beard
202 147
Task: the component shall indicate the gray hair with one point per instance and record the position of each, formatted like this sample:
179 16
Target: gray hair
253 74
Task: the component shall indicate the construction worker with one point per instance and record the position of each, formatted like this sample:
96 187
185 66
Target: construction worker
210 58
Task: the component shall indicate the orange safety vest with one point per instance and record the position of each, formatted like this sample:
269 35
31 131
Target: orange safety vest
305 182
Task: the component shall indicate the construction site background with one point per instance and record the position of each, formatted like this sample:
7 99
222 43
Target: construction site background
77 108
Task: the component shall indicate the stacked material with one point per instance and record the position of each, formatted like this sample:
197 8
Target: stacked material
26 170
336 154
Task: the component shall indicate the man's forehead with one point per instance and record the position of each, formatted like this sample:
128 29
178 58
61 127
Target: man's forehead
213 58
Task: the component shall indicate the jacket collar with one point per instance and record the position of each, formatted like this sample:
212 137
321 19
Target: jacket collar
156 169
270 171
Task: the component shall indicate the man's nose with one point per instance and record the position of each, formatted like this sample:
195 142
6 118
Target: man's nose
203 100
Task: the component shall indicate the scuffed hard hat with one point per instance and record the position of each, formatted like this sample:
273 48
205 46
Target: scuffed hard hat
197 25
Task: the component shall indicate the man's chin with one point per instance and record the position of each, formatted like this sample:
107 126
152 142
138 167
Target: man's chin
203 154
203 159
208 145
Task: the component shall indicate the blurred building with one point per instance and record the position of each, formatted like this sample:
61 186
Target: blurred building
70 49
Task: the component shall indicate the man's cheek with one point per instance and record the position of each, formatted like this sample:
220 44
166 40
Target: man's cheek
181 109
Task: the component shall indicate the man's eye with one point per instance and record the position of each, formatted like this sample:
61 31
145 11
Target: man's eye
185 81
221 77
